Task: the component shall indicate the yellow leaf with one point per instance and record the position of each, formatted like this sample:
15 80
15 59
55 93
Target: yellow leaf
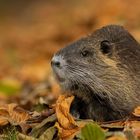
3 121
66 125
12 113
137 111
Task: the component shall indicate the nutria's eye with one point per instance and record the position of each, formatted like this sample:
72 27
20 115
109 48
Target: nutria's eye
85 53
105 46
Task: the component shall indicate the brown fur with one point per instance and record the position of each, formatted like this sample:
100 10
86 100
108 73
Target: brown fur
106 81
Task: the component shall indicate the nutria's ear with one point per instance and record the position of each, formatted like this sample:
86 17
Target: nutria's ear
105 47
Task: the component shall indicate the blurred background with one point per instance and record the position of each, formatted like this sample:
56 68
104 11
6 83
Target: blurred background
31 31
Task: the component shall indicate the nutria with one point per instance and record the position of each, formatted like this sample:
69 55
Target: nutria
102 71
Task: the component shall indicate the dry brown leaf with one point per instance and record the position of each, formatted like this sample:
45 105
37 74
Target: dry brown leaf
136 132
12 113
3 121
132 124
66 125
67 134
25 137
135 127
137 112
117 138
117 125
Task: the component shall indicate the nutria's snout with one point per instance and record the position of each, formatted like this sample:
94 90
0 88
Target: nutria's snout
58 64
56 61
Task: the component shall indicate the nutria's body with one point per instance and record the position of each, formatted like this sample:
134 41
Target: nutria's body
102 70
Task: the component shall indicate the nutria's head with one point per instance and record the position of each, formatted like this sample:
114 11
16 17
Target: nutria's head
99 63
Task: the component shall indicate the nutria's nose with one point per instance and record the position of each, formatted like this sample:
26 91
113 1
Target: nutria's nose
56 61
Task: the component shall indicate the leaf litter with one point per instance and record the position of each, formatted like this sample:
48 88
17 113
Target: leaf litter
53 121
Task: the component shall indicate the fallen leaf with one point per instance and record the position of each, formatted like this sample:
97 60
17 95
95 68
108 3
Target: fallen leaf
66 125
117 138
129 134
48 134
116 125
43 126
134 126
92 131
25 137
3 121
12 113
67 134
62 112
137 132
137 112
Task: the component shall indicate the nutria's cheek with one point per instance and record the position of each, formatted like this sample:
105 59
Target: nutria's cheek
59 75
